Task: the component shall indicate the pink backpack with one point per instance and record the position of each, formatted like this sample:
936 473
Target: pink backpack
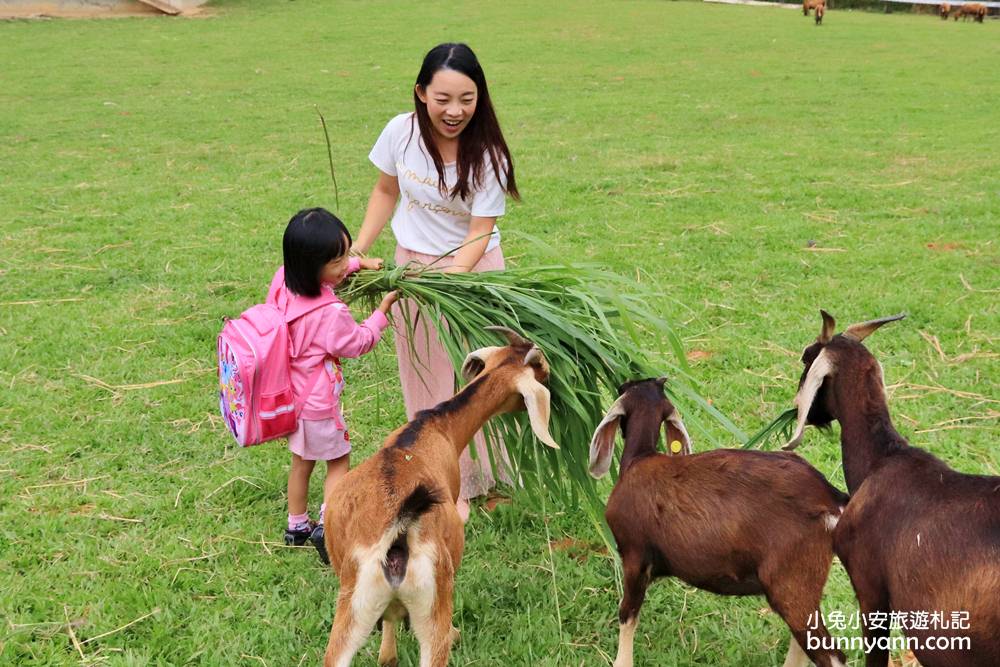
255 383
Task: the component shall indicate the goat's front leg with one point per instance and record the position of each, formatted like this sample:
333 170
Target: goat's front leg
387 656
872 598
636 580
870 603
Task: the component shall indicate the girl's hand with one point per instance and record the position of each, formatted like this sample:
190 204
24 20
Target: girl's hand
387 301
371 263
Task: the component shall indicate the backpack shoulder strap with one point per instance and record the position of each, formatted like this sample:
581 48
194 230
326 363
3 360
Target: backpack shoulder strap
300 401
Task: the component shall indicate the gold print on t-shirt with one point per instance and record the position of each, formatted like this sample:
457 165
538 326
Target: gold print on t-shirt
411 175
412 203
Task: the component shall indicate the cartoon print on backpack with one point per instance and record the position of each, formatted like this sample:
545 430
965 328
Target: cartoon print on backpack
231 397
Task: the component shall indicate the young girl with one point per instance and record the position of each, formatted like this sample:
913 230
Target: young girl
316 246
448 168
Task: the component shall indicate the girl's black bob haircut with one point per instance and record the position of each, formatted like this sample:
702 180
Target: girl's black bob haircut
313 237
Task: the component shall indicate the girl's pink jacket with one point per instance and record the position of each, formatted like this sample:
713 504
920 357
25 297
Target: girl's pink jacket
326 333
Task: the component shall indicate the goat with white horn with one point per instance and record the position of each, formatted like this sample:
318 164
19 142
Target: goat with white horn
917 536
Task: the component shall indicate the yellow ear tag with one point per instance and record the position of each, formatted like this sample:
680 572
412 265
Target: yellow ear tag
676 446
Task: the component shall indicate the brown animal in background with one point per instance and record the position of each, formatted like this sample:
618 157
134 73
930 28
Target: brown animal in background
811 4
392 531
729 521
820 11
973 9
916 536
944 10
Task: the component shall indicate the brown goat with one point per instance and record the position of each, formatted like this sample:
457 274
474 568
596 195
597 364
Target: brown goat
944 9
820 11
729 521
393 533
916 536
974 9
811 4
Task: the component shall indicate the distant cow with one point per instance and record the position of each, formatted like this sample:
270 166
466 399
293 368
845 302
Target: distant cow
820 10
973 9
944 10
811 4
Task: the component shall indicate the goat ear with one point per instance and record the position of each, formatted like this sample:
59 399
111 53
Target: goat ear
534 357
536 401
475 362
822 368
678 440
603 443
829 327
861 331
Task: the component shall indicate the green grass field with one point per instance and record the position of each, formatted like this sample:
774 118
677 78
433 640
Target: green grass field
752 166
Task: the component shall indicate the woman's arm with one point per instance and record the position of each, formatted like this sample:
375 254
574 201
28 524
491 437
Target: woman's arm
380 205
474 246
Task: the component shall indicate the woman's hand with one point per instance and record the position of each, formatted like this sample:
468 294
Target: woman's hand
387 301
372 263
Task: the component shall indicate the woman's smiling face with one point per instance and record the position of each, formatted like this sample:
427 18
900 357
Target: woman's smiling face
451 102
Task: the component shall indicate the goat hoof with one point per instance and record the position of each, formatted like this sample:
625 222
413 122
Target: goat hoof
389 662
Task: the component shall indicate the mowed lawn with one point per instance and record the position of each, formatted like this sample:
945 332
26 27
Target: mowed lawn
750 166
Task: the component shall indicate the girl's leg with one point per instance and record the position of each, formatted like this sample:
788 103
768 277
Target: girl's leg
335 469
298 484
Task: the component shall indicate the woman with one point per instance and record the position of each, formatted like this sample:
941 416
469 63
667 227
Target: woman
448 168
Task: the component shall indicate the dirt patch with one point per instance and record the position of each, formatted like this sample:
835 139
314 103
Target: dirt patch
83 9
578 550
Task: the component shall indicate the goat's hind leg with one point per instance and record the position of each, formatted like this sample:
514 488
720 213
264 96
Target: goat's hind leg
794 590
430 617
636 581
352 624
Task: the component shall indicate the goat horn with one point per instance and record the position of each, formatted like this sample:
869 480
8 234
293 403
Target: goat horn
829 327
861 331
534 356
512 336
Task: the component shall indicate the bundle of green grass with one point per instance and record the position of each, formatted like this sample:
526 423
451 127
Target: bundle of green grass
596 329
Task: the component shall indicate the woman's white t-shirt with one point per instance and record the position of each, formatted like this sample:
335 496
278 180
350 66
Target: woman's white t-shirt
427 220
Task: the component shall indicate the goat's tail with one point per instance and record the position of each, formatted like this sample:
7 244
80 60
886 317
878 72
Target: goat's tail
419 502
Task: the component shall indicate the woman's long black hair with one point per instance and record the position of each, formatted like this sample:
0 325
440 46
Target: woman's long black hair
481 137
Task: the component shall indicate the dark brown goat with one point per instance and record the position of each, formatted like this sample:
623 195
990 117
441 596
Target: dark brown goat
916 536
733 522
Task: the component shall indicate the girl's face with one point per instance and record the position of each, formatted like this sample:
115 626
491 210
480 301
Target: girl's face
451 102
334 271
